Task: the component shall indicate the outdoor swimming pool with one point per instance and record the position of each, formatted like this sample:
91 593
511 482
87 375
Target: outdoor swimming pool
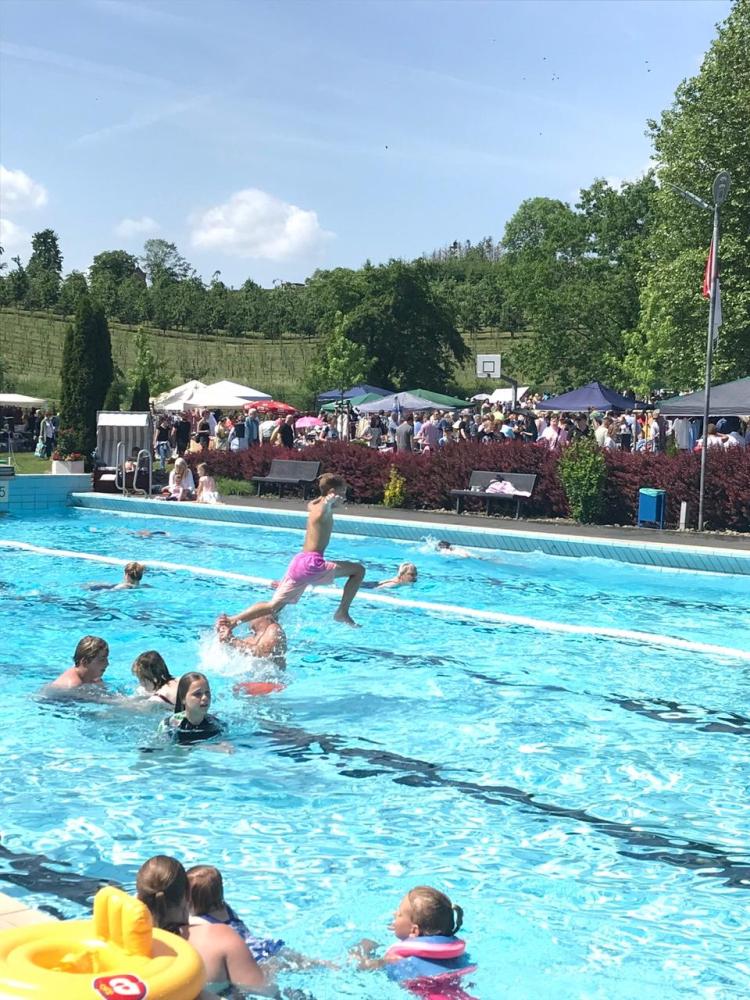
562 747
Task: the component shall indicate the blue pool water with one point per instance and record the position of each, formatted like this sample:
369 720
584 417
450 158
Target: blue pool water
561 745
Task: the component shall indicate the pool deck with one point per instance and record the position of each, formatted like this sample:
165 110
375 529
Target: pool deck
13 913
711 539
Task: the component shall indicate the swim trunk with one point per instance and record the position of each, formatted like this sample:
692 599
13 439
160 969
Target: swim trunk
307 569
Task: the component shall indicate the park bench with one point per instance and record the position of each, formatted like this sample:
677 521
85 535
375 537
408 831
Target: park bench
289 473
520 488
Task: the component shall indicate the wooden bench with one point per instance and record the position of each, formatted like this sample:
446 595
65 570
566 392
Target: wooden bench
289 473
522 482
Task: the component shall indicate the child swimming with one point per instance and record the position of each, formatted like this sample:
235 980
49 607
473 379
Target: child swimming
426 924
156 682
208 906
309 568
132 576
191 722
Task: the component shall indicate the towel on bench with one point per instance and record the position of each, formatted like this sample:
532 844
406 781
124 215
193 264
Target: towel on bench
504 488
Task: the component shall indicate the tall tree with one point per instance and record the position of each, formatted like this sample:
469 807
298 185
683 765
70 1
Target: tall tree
164 263
705 130
44 270
341 363
85 374
107 274
573 277
71 290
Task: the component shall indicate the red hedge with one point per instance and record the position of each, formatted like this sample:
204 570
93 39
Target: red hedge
430 478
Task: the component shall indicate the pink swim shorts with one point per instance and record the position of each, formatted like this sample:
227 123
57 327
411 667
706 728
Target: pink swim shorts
307 569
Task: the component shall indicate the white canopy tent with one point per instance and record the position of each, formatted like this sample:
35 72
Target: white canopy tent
503 395
175 399
16 399
227 395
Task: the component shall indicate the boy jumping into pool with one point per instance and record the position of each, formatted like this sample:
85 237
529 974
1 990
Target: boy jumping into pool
310 568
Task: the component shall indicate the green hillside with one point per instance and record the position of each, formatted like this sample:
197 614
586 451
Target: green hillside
31 346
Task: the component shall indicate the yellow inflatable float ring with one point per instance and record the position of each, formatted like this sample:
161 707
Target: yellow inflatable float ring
118 955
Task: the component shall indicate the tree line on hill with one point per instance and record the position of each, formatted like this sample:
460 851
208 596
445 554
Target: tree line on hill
609 288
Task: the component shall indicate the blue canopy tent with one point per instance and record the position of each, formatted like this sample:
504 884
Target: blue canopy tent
356 390
593 396
399 401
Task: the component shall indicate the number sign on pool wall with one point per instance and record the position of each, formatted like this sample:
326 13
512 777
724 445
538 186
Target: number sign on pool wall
4 491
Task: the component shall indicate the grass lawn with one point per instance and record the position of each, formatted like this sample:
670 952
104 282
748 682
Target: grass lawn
27 462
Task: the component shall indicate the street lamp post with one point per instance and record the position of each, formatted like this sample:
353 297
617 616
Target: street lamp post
720 191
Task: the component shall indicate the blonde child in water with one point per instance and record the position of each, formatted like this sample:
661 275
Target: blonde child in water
206 492
426 924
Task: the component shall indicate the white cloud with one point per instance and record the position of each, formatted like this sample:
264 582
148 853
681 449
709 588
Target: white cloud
18 191
12 237
128 228
254 223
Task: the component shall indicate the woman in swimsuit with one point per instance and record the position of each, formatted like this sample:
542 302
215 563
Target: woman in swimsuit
156 682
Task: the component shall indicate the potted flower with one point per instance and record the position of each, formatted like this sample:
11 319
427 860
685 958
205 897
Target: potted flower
66 459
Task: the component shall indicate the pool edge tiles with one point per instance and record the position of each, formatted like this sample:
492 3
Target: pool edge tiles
658 554
14 913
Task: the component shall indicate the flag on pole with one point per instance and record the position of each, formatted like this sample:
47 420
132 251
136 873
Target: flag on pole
706 291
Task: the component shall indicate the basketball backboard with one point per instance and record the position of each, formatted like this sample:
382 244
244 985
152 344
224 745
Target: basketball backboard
489 365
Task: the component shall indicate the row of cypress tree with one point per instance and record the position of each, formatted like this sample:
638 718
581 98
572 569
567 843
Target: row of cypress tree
86 375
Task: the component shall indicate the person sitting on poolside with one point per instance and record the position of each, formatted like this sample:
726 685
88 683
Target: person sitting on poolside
156 682
267 642
133 574
407 575
90 660
310 567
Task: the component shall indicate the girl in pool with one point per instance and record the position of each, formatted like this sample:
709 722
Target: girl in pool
208 909
156 682
191 722
426 924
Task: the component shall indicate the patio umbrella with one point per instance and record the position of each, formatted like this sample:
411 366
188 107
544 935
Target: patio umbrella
304 422
271 405
16 399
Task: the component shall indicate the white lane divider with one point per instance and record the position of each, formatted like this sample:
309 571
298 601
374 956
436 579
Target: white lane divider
438 608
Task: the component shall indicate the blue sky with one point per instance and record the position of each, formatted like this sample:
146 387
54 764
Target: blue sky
268 139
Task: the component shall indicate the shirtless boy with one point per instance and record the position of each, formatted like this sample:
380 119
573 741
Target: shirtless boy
90 660
309 568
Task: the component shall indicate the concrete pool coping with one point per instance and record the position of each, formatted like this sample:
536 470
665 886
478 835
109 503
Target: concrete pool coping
14 913
635 546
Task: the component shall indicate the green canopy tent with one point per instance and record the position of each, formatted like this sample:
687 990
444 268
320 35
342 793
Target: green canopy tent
441 400
368 397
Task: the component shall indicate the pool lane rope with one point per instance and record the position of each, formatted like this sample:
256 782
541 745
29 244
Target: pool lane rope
484 615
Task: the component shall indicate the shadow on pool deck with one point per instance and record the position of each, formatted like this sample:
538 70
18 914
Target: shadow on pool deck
712 539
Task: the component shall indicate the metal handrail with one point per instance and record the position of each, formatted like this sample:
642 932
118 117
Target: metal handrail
149 466
120 467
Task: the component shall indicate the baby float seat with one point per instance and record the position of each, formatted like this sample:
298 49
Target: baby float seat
118 955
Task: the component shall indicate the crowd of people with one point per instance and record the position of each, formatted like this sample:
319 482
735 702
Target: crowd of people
422 431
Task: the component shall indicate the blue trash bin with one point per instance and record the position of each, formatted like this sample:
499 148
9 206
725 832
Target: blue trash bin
652 505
